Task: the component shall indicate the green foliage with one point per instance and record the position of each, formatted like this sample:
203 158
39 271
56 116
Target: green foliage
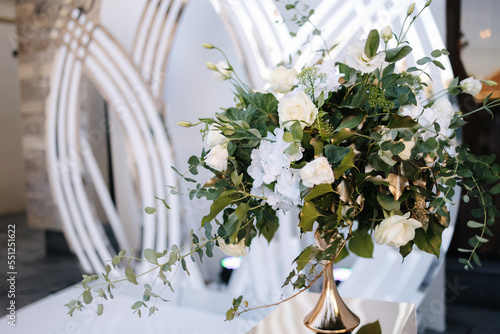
385 163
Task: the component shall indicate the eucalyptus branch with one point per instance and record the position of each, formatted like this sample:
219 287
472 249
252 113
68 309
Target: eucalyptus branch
327 267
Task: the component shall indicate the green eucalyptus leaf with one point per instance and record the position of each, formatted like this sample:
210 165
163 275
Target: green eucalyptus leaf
131 277
372 43
87 296
393 55
150 255
150 210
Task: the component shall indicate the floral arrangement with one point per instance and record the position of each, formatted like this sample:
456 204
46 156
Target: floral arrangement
342 142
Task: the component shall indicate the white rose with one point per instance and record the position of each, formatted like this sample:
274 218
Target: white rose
444 114
281 79
297 107
317 171
236 250
411 110
357 58
406 153
471 86
396 230
215 137
386 34
217 158
221 71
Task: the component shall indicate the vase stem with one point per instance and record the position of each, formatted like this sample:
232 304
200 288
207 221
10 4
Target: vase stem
331 315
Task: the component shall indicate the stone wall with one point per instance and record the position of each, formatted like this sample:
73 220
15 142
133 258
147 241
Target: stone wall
35 21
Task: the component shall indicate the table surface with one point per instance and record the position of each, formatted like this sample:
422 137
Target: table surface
49 316
394 318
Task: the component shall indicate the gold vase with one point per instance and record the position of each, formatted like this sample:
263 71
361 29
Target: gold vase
330 315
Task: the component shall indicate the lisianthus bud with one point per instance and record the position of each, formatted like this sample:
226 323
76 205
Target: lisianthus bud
489 82
428 3
386 34
211 66
471 86
410 9
208 46
185 124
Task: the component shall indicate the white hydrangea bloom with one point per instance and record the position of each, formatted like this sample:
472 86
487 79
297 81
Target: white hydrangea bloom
271 164
333 75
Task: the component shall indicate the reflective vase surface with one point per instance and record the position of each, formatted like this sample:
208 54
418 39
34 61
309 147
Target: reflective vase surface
330 315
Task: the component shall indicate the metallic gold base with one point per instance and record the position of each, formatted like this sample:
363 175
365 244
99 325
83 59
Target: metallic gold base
330 315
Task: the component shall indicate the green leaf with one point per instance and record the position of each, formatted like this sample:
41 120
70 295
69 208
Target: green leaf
495 190
308 216
481 239
351 122
402 122
372 328
423 61
438 64
473 224
150 210
100 309
393 55
296 131
218 205
319 190
129 272
137 305
429 241
436 53
87 296
303 258
264 107
150 255
387 202
361 244
406 249
342 135
347 162
372 43
335 154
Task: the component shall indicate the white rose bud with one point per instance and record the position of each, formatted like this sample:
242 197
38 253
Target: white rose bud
316 172
386 34
396 231
215 137
281 79
236 250
297 107
471 86
217 158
